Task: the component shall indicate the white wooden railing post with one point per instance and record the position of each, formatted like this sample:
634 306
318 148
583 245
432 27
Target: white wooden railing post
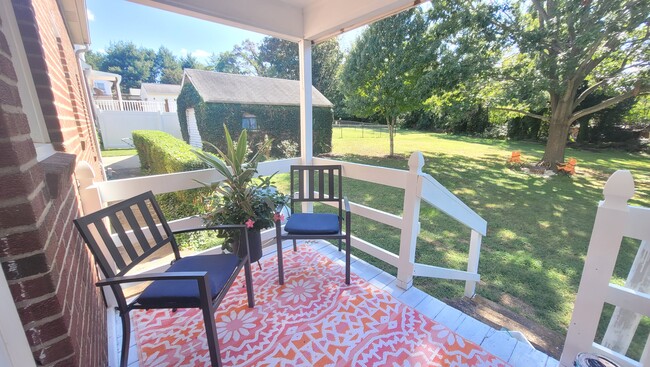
472 262
623 324
91 200
606 236
410 222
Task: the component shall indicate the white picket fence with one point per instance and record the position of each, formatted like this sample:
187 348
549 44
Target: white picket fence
614 221
115 127
417 186
140 106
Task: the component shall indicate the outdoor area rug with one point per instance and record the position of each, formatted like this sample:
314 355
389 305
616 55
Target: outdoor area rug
313 320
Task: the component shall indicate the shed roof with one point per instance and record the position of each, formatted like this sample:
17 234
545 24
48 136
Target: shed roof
245 89
157 88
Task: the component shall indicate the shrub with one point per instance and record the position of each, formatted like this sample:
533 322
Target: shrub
161 153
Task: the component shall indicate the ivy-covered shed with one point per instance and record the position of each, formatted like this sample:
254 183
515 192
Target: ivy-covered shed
266 107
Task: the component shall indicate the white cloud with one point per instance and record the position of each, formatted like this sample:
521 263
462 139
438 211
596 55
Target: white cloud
200 54
183 51
90 15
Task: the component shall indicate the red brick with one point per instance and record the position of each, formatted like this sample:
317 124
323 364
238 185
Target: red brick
25 267
20 183
23 214
13 124
43 333
16 153
4 45
22 243
9 94
7 68
71 361
54 352
32 288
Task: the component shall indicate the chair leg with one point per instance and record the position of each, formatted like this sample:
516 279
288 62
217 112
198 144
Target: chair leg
126 338
347 260
280 267
211 334
249 284
295 247
340 245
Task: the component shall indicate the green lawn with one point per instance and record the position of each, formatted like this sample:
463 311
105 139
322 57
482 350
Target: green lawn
118 152
538 229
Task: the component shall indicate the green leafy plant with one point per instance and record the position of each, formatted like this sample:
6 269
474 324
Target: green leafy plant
239 198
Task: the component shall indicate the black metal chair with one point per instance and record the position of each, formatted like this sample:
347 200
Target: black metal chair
199 281
305 226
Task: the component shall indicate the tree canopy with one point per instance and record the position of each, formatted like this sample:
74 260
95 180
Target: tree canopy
384 72
553 48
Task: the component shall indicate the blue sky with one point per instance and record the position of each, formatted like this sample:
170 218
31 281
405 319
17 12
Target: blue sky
119 20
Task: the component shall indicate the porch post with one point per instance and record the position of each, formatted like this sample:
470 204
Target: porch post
410 222
624 323
306 119
606 236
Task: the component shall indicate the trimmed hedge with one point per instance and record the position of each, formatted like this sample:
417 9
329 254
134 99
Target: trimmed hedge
161 153
277 122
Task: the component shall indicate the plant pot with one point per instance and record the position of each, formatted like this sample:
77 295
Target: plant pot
254 244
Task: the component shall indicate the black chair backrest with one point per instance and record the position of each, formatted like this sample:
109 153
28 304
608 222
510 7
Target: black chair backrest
324 184
139 225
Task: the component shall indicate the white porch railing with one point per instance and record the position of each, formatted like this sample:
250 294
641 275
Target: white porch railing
417 185
142 106
614 220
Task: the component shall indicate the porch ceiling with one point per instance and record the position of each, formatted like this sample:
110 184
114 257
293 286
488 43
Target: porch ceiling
293 20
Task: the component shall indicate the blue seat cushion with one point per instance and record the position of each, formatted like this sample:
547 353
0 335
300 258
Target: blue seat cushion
312 223
185 293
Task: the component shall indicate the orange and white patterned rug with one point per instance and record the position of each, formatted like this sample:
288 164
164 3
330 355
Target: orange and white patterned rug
313 320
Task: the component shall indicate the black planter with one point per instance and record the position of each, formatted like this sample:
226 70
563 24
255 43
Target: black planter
254 244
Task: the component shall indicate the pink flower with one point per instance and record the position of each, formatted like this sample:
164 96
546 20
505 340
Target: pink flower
278 217
249 223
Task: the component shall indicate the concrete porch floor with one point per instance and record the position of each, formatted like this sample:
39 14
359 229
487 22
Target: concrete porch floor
498 343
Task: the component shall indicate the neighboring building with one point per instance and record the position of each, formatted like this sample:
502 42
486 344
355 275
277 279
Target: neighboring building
266 107
167 93
56 315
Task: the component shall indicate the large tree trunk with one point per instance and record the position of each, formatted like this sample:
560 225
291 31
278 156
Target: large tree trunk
558 134
557 138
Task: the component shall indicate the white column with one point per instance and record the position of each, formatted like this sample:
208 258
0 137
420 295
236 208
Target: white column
410 222
606 236
306 115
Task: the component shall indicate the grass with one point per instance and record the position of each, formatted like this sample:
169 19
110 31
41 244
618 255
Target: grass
538 229
118 152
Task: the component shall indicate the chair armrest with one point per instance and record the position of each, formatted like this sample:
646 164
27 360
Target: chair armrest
212 228
346 204
181 275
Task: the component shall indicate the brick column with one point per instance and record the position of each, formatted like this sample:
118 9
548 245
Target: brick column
49 270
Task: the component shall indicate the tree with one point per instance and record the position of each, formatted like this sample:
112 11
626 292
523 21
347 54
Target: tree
225 62
555 46
191 62
133 63
385 68
166 67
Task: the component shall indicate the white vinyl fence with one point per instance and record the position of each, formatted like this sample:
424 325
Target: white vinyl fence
115 127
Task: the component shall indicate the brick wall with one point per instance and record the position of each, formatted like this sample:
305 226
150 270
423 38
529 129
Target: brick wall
48 268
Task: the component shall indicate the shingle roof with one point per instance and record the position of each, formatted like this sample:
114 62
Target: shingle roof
234 88
155 88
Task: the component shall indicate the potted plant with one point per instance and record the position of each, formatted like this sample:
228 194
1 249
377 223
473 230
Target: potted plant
239 198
